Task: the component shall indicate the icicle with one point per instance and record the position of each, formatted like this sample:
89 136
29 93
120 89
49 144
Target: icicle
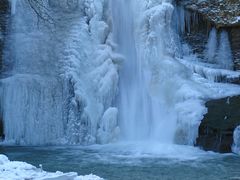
13 6
236 138
211 46
224 56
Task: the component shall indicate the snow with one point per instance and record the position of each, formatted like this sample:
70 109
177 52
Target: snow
15 170
237 19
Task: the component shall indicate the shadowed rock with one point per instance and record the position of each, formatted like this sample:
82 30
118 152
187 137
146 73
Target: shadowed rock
216 129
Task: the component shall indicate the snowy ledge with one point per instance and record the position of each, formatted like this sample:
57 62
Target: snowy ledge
16 170
224 13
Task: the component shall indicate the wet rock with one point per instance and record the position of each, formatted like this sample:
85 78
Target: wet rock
4 11
235 43
217 128
1 130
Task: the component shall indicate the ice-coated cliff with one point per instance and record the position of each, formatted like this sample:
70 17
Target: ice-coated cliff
58 80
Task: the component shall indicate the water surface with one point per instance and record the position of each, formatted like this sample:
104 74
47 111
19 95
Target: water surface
131 161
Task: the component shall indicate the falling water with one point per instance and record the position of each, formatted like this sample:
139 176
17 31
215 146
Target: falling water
142 114
62 85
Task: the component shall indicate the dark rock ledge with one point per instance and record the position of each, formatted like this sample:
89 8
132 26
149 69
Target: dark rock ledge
4 12
217 127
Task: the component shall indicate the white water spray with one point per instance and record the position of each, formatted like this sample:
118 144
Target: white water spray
145 112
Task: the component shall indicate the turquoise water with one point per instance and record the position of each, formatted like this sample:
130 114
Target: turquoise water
131 161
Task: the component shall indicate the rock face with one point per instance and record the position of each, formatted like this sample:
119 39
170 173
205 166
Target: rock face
4 9
235 43
217 128
223 15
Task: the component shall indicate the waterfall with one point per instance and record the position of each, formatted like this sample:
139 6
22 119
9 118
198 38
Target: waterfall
146 108
102 70
133 113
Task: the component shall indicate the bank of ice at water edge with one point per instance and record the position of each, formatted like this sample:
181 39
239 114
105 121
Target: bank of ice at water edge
14 170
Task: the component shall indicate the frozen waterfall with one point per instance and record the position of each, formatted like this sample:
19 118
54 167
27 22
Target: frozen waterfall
59 81
102 71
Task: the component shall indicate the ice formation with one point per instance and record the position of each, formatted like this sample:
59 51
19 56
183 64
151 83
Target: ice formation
236 138
224 55
13 6
218 50
10 170
211 47
60 80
